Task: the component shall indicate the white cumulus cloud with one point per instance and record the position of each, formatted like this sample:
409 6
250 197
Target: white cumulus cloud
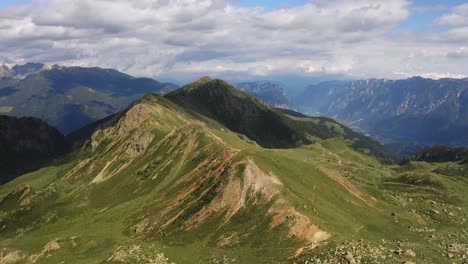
180 38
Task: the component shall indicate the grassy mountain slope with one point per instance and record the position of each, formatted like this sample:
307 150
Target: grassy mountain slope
160 184
69 98
270 128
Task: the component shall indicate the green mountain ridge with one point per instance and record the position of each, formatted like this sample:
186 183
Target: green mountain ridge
269 127
69 98
161 182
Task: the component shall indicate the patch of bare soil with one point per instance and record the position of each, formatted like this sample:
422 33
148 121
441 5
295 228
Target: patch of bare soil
299 227
11 257
53 245
228 240
234 191
255 185
133 119
337 177
137 254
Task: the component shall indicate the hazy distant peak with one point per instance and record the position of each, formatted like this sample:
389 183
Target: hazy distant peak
19 71
6 72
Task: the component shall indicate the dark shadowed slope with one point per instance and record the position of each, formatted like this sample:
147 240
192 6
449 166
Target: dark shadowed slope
441 153
269 127
27 144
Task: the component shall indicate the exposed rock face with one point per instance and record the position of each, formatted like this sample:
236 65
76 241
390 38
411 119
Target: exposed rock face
25 144
416 110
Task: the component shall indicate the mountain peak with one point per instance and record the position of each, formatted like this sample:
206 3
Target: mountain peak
270 128
147 98
28 68
6 72
205 84
20 71
204 79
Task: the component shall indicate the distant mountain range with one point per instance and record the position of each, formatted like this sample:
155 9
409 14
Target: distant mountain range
29 142
21 71
69 98
415 110
441 153
270 92
406 115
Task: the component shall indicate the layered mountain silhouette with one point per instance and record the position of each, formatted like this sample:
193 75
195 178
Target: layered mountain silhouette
21 71
69 98
269 127
190 177
270 92
415 110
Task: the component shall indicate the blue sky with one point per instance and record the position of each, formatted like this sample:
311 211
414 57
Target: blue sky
423 21
416 22
4 3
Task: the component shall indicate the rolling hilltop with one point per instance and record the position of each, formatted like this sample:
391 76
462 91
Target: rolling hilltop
191 178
